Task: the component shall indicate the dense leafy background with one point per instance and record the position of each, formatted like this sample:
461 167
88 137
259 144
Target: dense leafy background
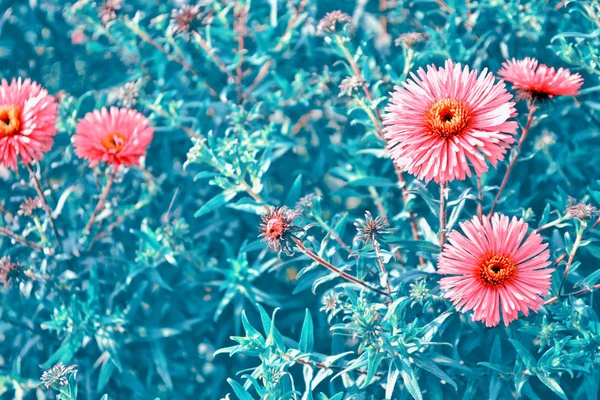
142 304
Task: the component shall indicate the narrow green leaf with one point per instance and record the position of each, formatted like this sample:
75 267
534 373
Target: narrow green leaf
294 193
307 339
240 392
216 202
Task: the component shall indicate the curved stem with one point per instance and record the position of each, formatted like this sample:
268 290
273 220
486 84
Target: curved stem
40 192
402 182
382 267
516 152
335 236
576 293
257 197
571 257
332 268
442 213
19 238
480 200
549 224
101 202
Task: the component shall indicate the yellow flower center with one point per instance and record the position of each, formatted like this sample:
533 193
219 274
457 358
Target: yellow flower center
448 118
10 120
114 141
495 269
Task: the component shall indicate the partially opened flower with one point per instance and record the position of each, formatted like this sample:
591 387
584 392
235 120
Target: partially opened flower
117 137
538 80
10 272
445 120
27 122
495 267
278 227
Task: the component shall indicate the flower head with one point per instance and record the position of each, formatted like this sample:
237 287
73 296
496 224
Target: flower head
544 141
27 122
118 137
349 85
409 39
10 272
445 120
331 302
129 93
277 227
539 81
329 23
184 19
495 267
58 376
307 202
108 10
372 229
29 206
580 210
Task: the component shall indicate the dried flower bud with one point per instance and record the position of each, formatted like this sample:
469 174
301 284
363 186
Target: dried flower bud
307 202
349 85
108 10
580 210
11 272
409 39
129 93
372 229
58 376
329 23
277 228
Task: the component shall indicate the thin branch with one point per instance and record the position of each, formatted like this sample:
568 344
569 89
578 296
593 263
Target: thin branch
334 269
550 224
382 267
516 152
20 239
40 192
239 26
257 197
278 47
480 200
101 202
571 257
442 214
5 211
146 38
211 53
577 293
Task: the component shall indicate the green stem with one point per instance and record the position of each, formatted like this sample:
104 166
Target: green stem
442 214
334 269
516 153
572 256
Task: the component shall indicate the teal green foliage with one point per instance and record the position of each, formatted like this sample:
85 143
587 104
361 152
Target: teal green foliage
172 294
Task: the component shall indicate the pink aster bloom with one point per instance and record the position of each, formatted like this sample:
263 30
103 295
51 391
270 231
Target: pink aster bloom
539 80
445 120
495 266
117 137
27 122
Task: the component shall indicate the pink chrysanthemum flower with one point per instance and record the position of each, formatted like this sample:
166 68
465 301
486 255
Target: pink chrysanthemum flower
118 137
538 80
446 119
495 267
27 122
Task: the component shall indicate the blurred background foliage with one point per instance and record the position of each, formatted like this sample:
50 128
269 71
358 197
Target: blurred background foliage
253 105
